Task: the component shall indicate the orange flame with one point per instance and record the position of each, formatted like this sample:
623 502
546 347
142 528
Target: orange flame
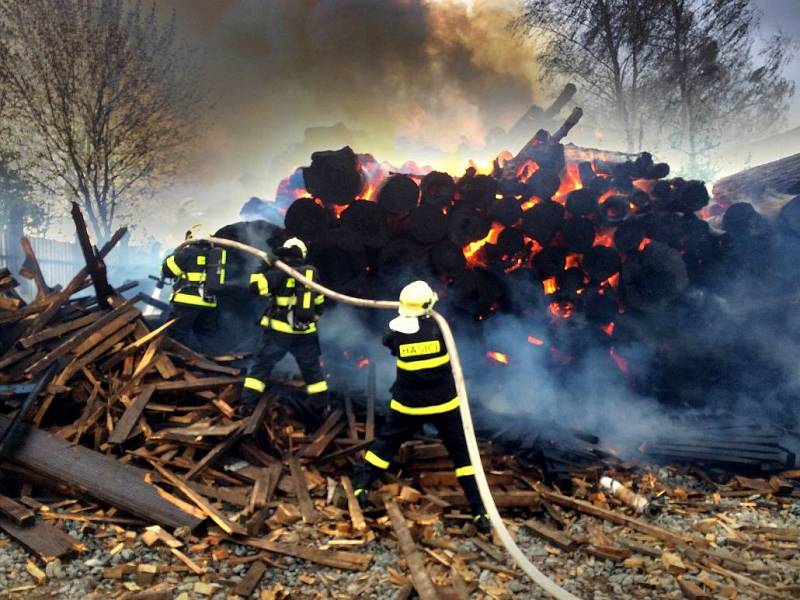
535 341
570 180
363 363
604 238
498 357
644 243
471 249
550 285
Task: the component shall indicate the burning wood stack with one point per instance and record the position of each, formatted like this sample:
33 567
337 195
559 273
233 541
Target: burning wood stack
584 250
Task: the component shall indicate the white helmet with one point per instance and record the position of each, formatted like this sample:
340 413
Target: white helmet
417 299
296 243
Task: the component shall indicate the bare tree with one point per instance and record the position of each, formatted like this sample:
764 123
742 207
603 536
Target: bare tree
104 100
714 87
601 43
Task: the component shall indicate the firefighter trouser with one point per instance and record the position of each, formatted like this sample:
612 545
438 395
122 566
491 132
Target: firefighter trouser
274 346
400 428
195 325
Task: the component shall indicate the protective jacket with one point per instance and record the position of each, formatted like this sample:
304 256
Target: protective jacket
294 308
199 272
424 384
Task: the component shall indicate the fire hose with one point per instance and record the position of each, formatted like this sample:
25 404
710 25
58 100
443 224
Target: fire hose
500 529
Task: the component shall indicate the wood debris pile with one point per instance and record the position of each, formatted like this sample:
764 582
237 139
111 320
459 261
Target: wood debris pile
134 436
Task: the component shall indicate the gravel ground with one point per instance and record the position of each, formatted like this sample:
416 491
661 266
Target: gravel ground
586 576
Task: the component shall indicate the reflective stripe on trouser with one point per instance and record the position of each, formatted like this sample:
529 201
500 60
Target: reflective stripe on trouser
274 346
432 409
400 427
251 383
317 388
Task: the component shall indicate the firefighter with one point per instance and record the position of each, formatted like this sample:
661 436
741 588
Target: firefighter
290 326
423 392
198 271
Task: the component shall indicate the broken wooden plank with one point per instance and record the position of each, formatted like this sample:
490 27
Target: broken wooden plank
553 536
60 329
21 515
100 476
44 540
416 564
122 429
661 533
203 383
356 516
322 438
201 502
338 559
250 580
310 514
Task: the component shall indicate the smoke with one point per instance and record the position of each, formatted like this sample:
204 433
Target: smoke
406 79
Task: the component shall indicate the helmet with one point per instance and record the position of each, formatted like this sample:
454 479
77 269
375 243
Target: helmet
417 299
293 247
197 232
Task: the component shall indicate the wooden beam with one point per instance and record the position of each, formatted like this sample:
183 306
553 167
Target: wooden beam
47 541
416 564
201 502
131 415
332 426
369 434
356 516
661 533
337 559
203 383
310 514
100 476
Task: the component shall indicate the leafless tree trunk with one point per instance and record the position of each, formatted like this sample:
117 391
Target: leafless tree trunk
104 100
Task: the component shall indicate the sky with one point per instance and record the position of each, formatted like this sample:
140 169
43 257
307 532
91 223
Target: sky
423 80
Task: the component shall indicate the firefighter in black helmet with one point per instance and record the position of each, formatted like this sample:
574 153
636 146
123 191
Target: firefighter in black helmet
424 392
290 325
198 271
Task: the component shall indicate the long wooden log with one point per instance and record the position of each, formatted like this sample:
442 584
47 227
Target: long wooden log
416 565
98 475
761 182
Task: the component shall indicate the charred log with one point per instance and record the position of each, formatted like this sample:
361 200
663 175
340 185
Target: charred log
465 225
438 189
578 234
367 222
306 219
334 176
427 224
448 259
341 260
399 194
542 220
653 277
601 263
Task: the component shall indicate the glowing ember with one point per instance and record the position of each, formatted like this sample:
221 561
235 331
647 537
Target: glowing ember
604 238
363 363
338 210
562 310
621 363
609 329
612 281
498 357
550 285
535 341
644 243
573 260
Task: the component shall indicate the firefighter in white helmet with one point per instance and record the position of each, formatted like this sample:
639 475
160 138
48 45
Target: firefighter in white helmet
424 392
289 326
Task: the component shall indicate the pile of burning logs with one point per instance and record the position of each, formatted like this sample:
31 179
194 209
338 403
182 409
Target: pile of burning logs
589 251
